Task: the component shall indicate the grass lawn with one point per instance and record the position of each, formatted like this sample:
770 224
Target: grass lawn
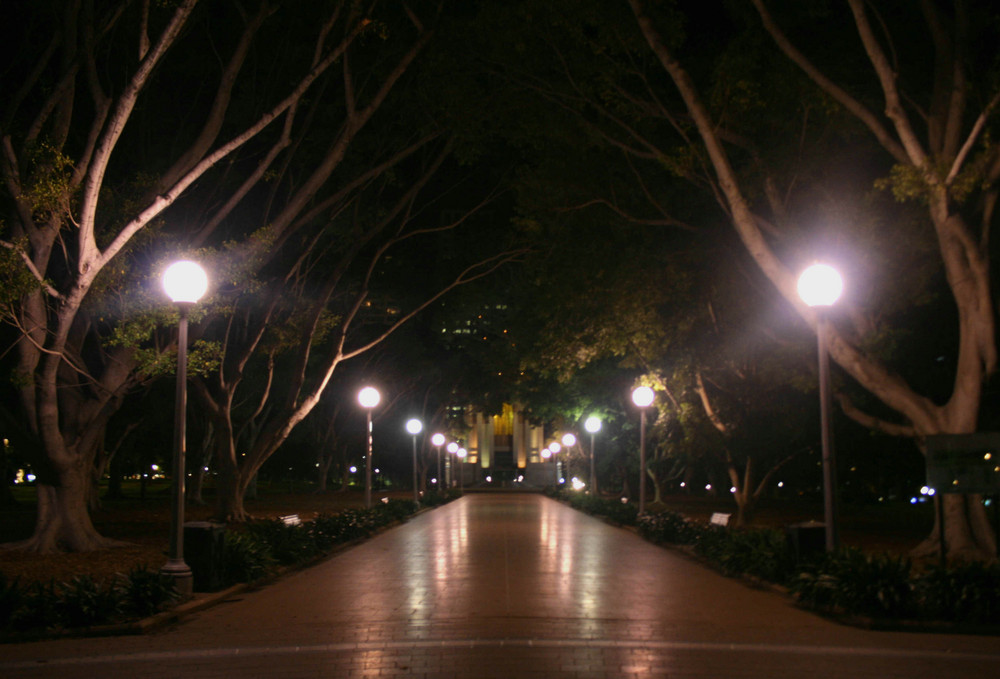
144 525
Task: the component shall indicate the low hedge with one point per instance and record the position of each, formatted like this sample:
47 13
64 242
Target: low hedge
253 553
881 586
851 582
83 602
847 582
670 527
248 555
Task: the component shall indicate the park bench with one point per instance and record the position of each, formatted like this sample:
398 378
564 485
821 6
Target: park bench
291 520
719 519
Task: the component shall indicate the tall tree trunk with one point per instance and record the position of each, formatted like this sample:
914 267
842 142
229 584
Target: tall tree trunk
323 472
6 494
743 496
657 487
229 491
196 488
229 482
115 479
63 520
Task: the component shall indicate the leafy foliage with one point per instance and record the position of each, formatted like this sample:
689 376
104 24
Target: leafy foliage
287 544
856 583
15 279
344 526
49 179
38 609
669 527
144 592
252 554
624 513
10 599
760 553
968 593
847 582
84 602
246 558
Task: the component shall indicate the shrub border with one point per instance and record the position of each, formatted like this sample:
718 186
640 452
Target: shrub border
395 515
690 544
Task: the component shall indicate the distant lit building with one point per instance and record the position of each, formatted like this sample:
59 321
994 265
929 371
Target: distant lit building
506 446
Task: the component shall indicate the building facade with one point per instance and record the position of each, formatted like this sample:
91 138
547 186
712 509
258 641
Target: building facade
506 448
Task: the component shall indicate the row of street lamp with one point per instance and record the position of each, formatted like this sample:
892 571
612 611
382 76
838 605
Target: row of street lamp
185 282
369 398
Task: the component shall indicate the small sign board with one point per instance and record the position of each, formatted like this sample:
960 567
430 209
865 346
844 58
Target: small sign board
964 463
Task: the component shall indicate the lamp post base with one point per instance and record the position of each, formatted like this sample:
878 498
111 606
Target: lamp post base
182 576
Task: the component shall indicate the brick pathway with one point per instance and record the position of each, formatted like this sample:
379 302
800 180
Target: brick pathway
507 586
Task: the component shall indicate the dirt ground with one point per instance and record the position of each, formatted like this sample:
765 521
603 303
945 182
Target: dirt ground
144 527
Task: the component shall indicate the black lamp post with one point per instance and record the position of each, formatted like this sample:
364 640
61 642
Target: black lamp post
414 427
185 283
437 441
820 286
368 397
643 398
592 425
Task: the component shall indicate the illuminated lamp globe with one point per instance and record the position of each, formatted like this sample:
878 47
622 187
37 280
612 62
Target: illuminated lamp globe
592 424
414 426
437 440
642 397
185 282
369 397
452 447
569 440
820 285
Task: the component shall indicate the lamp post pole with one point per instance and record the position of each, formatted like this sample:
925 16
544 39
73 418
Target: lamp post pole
826 435
185 283
568 441
450 463
820 286
593 470
368 397
642 461
176 567
461 453
415 426
437 441
368 460
592 425
643 398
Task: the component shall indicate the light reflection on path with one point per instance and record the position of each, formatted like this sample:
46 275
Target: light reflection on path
492 581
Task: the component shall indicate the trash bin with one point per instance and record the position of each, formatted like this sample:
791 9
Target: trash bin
806 539
204 543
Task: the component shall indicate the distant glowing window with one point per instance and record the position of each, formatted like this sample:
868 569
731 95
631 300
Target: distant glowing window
503 424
